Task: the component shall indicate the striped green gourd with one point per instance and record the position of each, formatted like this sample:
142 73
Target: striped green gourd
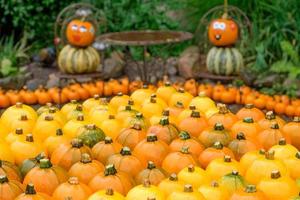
73 60
224 61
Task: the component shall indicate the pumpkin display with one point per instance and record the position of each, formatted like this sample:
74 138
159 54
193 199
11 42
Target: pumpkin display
250 111
111 126
180 96
75 60
124 115
9 190
152 173
55 113
165 92
31 194
202 103
90 135
104 149
193 175
270 119
39 130
224 61
54 141
10 171
130 137
71 127
290 163
248 158
140 95
126 162
138 118
18 134
213 191
22 122
291 130
194 124
216 134
30 163
151 108
186 113
145 191
250 192
187 193
171 184
248 127
224 116
283 150
232 182
72 189
68 154
53 174
86 169
111 178
151 149
108 194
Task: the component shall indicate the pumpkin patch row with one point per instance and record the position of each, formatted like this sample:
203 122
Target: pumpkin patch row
154 144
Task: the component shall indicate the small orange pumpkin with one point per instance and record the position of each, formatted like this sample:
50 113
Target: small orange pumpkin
224 116
10 171
152 173
130 137
216 134
291 130
249 193
31 194
9 190
247 126
193 124
250 111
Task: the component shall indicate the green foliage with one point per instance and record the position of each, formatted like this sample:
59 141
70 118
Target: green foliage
12 55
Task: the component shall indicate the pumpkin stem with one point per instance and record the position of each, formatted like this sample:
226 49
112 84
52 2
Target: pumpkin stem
250 189
225 15
191 168
108 140
52 110
195 114
166 113
227 158
40 156
164 121
275 174
296 119
128 108
19 105
137 126
79 107
145 86
91 126
139 115
173 177
111 117
192 107
77 143
29 138
262 152
109 192
125 151
275 126
48 118
249 106
80 117
45 163
146 183
282 141
167 84
59 132
96 97
214 184
120 94
188 188
73 181
3 179
185 150
270 115
218 145
151 138
179 104
270 155
152 100
73 101
130 102
222 108
30 189
24 117
235 173
19 131
184 135
240 136
110 170
297 155
219 127
85 158
248 120
181 90
151 165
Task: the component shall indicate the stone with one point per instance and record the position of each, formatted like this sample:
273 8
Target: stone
113 66
189 62
53 81
267 81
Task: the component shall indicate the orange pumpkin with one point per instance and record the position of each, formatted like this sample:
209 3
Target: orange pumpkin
250 111
31 194
53 142
126 162
165 92
80 33
104 149
9 190
182 159
151 149
86 169
195 147
68 154
28 96
211 153
4 100
249 193
72 189
152 173
193 124
269 119
10 171
52 177
247 126
130 137
112 179
291 130
224 116
216 134
223 32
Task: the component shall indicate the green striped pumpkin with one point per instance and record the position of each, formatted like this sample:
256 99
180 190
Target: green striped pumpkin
224 61
73 60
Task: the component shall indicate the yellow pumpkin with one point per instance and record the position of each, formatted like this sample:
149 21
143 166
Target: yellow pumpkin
248 158
111 127
144 192
151 108
98 115
180 96
187 193
18 134
222 166
41 133
277 187
203 103
283 150
6 153
119 100
125 115
54 141
193 175
232 182
171 184
213 192
3 130
108 194
140 95
70 129
22 122
187 113
158 100
291 164
73 114
165 92
56 114
91 103
67 108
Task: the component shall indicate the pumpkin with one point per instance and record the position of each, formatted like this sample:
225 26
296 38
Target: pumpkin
130 137
55 113
154 120
170 185
73 114
10 171
30 163
249 193
104 149
283 150
224 61
31 194
291 164
52 177
291 130
250 111
266 166
6 153
145 191
13 97
4 100
151 149
165 92
211 153
88 104
248 127
18 134
213 191
126 162
286 187
98 115
248 158
232 182
140 95
270 119
67 154
113 179
111 127
42 95
186 113
39 130
117 101
138 118
180 96
240 145
193 124
271 136
86 168
67 108
90 135
73 60
22 122
224 116
151 108
223 32
108 194
195 147
182 159
124 115
193 175
216 134
202 102
53 142
187 193
9 190
222 166
72 189
152 173
164 130
25 149
80 33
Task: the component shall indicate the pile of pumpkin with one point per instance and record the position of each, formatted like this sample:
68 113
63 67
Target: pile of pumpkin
218 92
163 144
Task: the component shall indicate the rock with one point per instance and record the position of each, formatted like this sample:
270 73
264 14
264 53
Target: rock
267 81
53 81
113 66
33 84
189 62
247 76
171 66
14 82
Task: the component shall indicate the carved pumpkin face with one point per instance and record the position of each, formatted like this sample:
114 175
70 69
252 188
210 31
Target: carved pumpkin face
80 33
223 32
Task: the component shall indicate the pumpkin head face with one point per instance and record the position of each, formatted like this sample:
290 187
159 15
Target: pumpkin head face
223 32
80 33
